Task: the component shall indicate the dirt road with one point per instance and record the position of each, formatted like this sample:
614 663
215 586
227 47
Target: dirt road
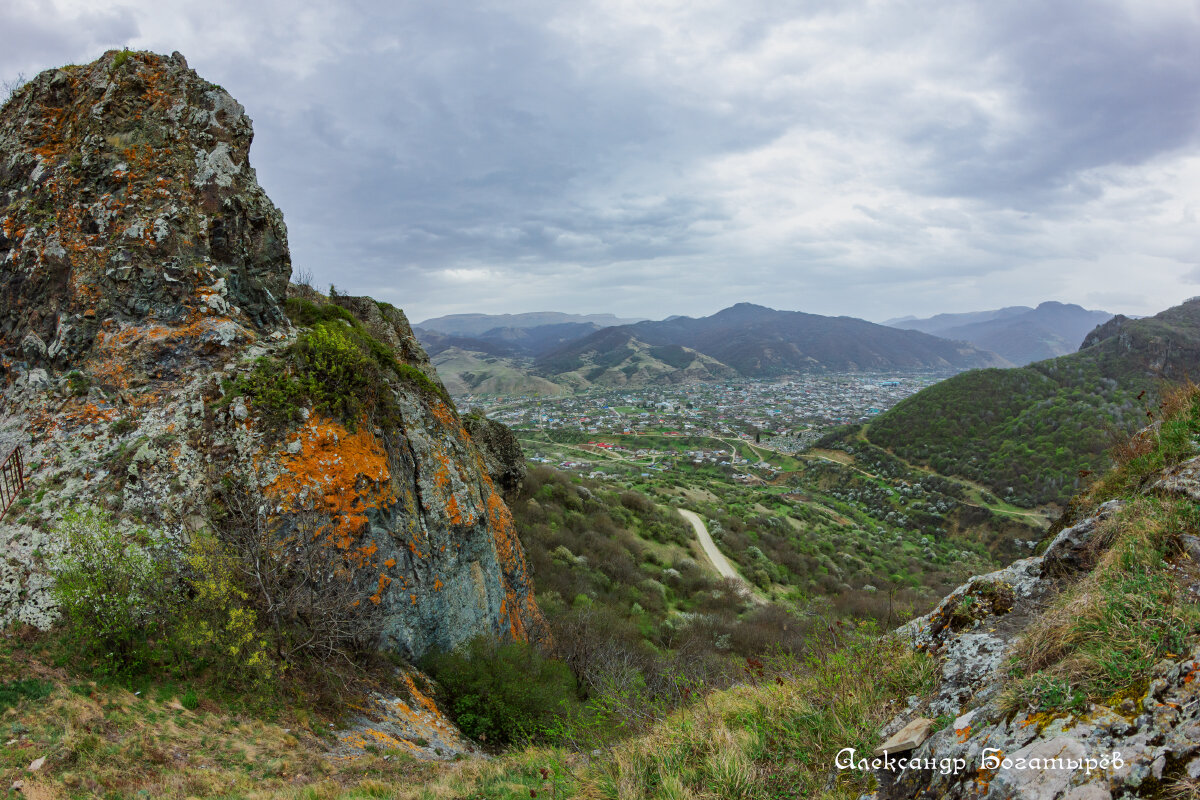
710 548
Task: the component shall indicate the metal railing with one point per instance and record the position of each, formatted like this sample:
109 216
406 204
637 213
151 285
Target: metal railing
12 478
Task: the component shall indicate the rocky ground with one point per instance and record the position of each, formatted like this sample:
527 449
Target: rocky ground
1141 742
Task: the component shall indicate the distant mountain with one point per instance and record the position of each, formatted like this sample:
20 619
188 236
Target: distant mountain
466 372
761 342
1025 433
475 324
508 342
1018 333
941 322
615 357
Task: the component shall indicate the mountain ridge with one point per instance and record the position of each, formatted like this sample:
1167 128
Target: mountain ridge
475 324
760 342
1020 334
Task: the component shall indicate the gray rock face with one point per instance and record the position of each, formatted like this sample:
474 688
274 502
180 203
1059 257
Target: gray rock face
502 454
1070 550
1182 479
142 274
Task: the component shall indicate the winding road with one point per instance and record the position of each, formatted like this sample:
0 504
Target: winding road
710 548
724 568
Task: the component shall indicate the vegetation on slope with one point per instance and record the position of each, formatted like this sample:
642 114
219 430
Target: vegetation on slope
1028 434
335 365
1018 432
1134 607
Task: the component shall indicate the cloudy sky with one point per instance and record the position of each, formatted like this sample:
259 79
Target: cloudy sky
651 157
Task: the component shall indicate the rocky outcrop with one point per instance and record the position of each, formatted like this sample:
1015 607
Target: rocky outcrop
1139 743
147 346
502 454
129 214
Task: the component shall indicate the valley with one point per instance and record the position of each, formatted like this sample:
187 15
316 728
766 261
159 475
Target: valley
268 542
844 524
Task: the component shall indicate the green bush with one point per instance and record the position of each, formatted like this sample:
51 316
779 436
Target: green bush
78 384
336 372
336 365
503 693
275 394
114 588
135 600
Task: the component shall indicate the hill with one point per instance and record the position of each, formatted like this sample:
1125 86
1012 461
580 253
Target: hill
467 372
616 357
1027 433
475 324
1018 333
528 342
760 342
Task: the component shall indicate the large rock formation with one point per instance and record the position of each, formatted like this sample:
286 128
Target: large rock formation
146 345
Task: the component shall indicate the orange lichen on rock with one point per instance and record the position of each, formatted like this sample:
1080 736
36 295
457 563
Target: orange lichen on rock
346 473
421 699
442 413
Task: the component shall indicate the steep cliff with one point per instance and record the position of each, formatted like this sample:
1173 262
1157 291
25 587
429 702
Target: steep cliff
153 365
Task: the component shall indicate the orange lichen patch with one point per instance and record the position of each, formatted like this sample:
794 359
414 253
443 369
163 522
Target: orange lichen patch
391 562
371 737
437 584
346 472
519 613
508 550
442 413
111 357
420 698
455 513
78 413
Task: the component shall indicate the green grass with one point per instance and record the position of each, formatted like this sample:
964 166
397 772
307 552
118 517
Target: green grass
14 692
1114 623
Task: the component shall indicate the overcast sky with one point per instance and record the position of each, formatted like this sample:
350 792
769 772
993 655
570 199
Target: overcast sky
649 157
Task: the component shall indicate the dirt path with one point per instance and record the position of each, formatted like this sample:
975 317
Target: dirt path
710 548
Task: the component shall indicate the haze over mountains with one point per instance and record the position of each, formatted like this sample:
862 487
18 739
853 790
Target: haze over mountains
481 353
1018 333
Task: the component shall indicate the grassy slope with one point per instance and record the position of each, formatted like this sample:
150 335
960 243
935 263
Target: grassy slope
829 523
466 372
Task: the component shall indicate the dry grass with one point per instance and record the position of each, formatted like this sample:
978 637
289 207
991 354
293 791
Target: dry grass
1105 633
773 739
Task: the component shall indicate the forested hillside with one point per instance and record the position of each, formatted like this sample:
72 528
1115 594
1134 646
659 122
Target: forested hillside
1028 433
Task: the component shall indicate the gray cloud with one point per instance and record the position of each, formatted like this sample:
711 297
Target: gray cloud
653 159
